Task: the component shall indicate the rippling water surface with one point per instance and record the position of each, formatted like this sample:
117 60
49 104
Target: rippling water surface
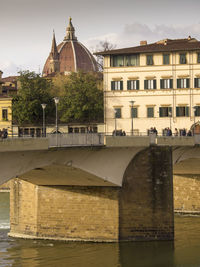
183 252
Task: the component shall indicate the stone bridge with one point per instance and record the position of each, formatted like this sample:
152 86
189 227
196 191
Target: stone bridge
121 191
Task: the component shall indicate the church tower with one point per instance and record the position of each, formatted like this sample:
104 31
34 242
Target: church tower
54 63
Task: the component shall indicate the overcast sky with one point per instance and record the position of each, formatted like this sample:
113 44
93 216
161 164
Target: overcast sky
26 26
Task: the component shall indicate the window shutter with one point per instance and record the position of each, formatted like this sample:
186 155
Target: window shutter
195 82
134 112
121 85
145 84
160 112
186 111
178 83
161 84
154 84
137 84
112 85
128 85
171 83
177 112
188 83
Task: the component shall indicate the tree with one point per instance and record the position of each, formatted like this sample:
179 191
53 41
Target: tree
101 47
82 100
34 90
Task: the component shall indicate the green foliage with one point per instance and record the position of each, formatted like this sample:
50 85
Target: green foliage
82 100
34 90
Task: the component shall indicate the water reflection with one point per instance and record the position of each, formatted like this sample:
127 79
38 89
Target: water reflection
151 254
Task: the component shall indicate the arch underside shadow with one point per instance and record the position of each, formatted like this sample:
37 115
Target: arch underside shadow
102 166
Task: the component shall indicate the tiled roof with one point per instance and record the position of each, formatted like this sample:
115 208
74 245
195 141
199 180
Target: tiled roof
167 45
10 79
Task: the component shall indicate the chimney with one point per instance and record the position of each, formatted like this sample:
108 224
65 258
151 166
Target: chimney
143 42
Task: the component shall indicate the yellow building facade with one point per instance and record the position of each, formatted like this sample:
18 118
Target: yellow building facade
152 85
5 110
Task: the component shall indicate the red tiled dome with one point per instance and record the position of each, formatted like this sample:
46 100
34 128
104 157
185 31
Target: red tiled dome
69 56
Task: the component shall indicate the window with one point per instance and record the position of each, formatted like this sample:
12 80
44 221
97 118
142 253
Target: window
166 59
166 83
150 112
197 111
118 114
124 60
182 111
198 57
133 85
4 114
150 84
165 111
183 58
149 59
116 85
134 112
196 82
117 61
183 83
132 60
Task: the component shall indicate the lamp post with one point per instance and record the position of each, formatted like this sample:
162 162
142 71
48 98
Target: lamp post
132 102
43 108
115 114
170 118
194 109
56 99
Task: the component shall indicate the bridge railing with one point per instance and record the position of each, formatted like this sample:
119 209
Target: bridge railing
75 139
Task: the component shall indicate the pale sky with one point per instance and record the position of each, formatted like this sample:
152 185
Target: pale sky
26 26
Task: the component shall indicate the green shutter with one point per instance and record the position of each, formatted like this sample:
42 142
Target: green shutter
112 85
171 83
187 111
121 85
154 84
160 112
187 83
178 83
195 82
137 84
145 84
128 85
177 111
161 84
134 112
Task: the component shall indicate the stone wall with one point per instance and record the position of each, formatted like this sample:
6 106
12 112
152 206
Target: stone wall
64 212
187 193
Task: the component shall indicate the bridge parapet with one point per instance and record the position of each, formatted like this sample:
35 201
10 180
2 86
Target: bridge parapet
23 144
145 141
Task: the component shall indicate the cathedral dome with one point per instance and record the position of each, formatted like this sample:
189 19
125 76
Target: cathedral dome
69 56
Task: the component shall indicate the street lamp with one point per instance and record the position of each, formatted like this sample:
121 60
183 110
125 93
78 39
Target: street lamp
194 109
56 99
170 117
43 108
132 102
115 114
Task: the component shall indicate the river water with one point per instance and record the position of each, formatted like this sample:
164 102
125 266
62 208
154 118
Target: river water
183 252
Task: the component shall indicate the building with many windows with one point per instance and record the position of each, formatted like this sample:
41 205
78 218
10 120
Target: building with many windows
5 110
152 85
